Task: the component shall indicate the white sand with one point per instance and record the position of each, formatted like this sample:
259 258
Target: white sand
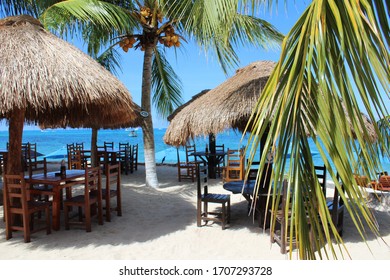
161 225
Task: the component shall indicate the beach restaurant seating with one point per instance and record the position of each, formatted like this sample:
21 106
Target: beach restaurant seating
90 200
18 204
108 145
336 209
134 158
221 163
112 189
185 170
124 156
204 198
321 176
384 183
235 166
41 192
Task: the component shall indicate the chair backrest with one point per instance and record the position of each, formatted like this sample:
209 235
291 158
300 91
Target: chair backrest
92 182
235 157
75 160
113 177
15 194
134 153
79 146
202 181
108 145
220 148
190 150
384 183
124 152
235 165
321 175
40 165
123 146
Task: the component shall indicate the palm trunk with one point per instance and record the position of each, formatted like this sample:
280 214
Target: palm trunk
147 127
14 157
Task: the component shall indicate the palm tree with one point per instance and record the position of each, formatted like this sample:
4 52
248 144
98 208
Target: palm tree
153 26
335 55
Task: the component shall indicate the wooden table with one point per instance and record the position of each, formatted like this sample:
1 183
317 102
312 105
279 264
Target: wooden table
211 160
73 177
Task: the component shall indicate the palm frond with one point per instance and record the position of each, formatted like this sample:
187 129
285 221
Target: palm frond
110 59
107 15
334 55
166 85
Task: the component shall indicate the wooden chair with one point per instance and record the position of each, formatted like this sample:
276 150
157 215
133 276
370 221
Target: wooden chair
79 146
321 175
190 157
384 183
90 200
124 157
108 145
204 198
112 189
41 192
280 233
336 209
32 155
16 203
185 170
220 164
134 158
235 166
75 160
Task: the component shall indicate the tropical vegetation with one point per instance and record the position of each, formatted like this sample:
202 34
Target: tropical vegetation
153 26
335 57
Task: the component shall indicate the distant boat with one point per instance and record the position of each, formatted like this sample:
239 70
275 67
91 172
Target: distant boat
133 133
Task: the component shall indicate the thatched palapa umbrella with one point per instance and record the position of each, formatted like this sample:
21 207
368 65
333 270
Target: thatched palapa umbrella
229 105
46 81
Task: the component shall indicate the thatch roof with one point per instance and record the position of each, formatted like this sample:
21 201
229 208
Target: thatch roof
229 105
57 84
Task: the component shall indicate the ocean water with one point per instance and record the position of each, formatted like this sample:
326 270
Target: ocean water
52 142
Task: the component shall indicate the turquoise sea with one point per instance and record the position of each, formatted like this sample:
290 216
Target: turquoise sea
52 142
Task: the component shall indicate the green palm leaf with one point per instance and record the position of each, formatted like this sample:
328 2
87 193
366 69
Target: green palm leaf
166 85
334 55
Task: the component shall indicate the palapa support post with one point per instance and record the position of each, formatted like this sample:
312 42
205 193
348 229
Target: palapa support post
16 121
211 161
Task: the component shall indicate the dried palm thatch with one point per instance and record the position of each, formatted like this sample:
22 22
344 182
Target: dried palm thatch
46 81
55 83
229 105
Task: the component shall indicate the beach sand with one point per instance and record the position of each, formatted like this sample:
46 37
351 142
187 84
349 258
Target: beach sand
160 224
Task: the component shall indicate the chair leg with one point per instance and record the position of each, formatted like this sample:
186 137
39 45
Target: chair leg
199 213
100 212
228 212
8 222
119 204
88 226
66 217
48 226
26 228
223 215
108 208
